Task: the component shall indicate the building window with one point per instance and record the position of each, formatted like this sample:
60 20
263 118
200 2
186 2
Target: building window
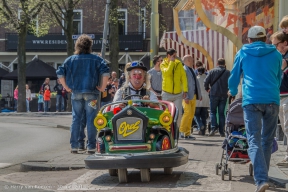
122 21
77 22
186 20
142 20
33 27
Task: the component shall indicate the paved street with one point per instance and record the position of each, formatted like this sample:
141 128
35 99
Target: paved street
21 142
197 175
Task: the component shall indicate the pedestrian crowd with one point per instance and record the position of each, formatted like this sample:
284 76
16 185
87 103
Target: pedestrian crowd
44 97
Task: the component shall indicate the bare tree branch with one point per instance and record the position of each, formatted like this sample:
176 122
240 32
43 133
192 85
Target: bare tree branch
64 5
76 3
7 8
50 6
36 8
58 7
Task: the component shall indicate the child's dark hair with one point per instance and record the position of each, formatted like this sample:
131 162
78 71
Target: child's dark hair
201 70
199 64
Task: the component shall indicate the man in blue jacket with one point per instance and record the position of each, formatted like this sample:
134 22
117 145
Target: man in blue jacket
260 65
80 75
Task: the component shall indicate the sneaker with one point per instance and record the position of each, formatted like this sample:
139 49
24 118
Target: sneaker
91 151
222 135
212 133
262 187
74 151
200 132
284 162
57 111
81 147
188 137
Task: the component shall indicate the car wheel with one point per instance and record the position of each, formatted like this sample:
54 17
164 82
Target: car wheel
145 175
122 175
168 170
163 143
113 172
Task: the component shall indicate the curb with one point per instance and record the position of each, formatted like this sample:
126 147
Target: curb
63 127
43 166
36 114
277 177
278 182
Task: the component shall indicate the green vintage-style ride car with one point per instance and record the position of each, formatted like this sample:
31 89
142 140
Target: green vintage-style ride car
137 137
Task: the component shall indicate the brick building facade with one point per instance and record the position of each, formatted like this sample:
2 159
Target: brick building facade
88 19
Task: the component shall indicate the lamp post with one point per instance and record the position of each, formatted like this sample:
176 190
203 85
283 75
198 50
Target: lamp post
106 22
154 39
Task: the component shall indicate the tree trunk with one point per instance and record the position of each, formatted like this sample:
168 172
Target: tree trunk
114 37
21 53
70 44
69 31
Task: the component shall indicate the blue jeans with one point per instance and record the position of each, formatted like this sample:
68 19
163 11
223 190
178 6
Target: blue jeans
46 106
40 106
217 103
260 123
59 100
15 104
27 105
200 116
81 102
81 138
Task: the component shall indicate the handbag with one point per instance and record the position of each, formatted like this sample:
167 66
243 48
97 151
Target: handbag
275 145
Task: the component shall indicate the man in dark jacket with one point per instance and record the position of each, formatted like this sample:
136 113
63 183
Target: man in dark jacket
216 84
60 96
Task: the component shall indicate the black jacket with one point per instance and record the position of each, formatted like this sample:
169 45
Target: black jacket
220 87
58 88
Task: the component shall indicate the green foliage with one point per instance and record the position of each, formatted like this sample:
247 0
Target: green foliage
25 14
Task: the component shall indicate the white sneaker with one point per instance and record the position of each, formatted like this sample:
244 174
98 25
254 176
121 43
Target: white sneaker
262 187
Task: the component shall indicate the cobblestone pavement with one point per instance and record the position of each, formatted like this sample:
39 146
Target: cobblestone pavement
197 175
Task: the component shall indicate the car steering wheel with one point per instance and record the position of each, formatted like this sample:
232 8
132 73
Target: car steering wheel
134 95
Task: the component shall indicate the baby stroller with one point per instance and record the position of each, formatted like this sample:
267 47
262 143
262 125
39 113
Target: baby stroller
235 144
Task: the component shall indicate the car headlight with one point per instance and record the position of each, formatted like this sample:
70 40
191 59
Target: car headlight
165 118
100 121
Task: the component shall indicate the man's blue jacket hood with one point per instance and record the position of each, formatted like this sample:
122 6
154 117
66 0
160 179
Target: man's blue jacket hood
258 49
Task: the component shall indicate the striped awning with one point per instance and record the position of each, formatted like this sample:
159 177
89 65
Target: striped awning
213 42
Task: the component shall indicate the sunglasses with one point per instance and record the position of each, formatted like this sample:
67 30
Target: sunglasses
276 45
137 63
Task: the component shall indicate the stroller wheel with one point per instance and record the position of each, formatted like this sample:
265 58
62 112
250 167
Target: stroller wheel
250 169
222 174
217 167
229 174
